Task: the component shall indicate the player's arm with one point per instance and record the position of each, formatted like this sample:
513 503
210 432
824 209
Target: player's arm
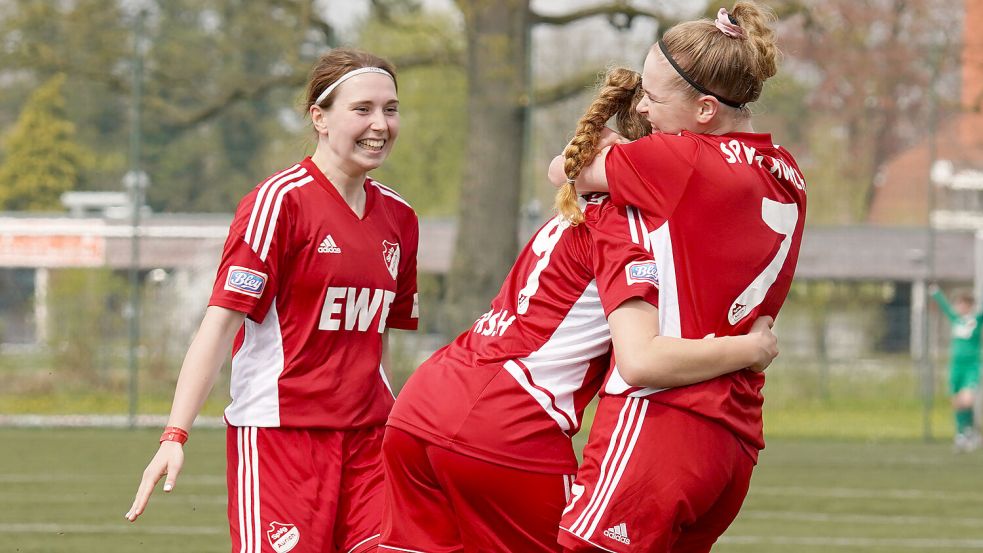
944 304
645 358
201 366
592 178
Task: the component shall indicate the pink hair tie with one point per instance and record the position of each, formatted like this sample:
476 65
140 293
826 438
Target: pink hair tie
728 25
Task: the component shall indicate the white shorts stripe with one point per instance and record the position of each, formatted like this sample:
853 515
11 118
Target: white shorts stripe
621 467
257 524
254 220
626 409
240 489
612 466
276 212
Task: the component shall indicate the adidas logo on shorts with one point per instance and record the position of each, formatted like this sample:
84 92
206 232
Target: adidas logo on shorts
618 532
328 246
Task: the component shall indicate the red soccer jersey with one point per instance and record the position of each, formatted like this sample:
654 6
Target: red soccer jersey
512 389
725 222
319 286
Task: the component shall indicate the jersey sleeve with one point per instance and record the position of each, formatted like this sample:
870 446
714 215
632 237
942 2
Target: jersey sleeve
247 278
945 306
623 268
404 313
651 173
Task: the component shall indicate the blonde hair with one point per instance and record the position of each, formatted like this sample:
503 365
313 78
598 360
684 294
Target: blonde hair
335 63
733 68
618 96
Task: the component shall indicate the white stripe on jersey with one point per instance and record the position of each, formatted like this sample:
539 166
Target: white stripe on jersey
276 213
255 221
386 191
659 243
635 218
363 541
555 371
616 458
256 369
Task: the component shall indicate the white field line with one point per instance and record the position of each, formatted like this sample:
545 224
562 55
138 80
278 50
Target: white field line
122 528
98 421
200 480
83 498
861 518
921 544
865 493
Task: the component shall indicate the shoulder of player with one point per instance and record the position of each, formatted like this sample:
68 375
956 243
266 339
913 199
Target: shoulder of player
392 198
273 193
278 185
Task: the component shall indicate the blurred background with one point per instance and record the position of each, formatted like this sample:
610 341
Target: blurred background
130 129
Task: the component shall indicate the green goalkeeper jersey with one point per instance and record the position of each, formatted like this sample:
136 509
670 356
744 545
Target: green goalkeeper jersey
965 330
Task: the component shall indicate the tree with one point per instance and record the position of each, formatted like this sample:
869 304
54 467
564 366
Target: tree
867 72
41 158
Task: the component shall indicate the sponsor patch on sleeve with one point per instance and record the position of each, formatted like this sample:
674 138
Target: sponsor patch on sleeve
245 281
640 272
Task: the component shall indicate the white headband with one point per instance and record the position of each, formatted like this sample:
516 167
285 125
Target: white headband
349 75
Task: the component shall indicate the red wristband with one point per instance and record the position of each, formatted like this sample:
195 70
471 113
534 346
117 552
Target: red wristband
174 434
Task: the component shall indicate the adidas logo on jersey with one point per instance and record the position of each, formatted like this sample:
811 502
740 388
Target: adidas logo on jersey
328 246
618 533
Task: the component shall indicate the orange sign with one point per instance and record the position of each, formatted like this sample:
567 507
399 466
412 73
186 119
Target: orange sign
52 251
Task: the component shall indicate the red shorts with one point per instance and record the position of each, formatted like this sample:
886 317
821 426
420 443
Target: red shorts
304 490
438 501
654 478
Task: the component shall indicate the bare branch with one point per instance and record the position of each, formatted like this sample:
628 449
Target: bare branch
578 84
617 8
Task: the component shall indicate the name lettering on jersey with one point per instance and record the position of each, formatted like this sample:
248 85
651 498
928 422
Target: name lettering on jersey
640 272
245 281
328 245
493 323
283 537
390 253
737 152
355 308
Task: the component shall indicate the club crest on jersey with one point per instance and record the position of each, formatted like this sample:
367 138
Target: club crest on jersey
390 254
245 281
283 537
639 272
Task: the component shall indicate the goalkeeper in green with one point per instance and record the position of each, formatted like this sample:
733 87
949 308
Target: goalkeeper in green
964 366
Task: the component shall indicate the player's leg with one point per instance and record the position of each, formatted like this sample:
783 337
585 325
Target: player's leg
962 404
278 499
649 471
362 493
416 514
501 509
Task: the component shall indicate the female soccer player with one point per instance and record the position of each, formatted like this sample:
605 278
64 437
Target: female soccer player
964 364
319 262
478 454
667 469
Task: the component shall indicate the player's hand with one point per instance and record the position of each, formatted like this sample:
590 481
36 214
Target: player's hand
610 138
766 342
168 461
933 288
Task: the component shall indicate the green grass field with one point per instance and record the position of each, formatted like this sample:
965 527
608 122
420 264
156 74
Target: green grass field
66 490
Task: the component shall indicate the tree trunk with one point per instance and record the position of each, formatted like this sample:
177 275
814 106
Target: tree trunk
486 245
